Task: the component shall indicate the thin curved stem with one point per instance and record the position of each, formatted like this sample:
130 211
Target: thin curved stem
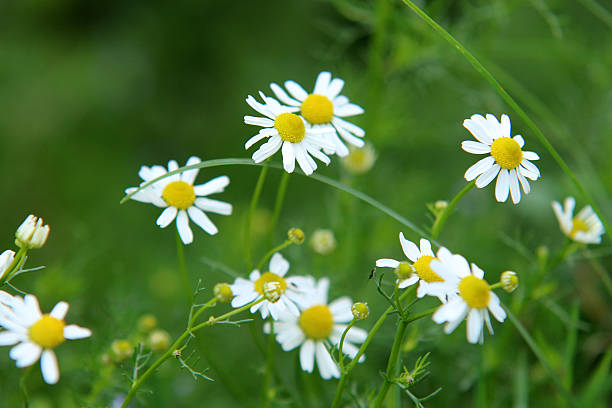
267 394
278 203
271 252
441 220
391 364
180 252
340 355
247 227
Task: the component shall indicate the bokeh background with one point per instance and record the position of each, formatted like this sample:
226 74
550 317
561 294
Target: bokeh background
90 91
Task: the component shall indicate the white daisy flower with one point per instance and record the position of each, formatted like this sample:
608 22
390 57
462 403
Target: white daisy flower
181 199
285 128
585 227
420 271
6 259
507 161
292 289
474 298
325 108
34 334
318 324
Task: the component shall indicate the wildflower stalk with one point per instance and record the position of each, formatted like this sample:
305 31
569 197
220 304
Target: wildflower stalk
23 387
511 102
15 265
180 252
392 363
598 11
340 355
601 271
267 392
272 252
441 219
247 227
278 203
177 346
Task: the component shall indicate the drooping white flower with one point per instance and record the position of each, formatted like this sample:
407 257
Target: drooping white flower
6 259
472 299
585 227
35 335
318 324
32 233
291 289
506 161
284 129
325 108
181 199
420 271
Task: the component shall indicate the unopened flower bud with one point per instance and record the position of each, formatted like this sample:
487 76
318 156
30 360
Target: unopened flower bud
440 205
272 291
31 233
509 281
323 241
121 350
159 340
296 236
6 259
360 310
147 323
223 292
359 161
403 271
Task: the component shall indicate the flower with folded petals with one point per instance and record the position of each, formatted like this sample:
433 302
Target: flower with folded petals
507 161
585 227
6 259
420 271
289 290
325 108
181 199
472 296
32 233
34 334
318 324
284 129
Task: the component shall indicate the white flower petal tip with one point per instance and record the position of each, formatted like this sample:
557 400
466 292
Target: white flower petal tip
585 227
506 160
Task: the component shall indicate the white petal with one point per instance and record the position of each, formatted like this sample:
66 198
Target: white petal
282 95
334 88
31 302
531 156
479 132
524 182
25 354
267 149
322 83
182 225
502 187
410 249
305 164
495 307
473 147
74 332
215 206
348 126
409 281
518 139
327 366
316 152
49 367
59 310
448 311
296 90
240 301
216 185
258 121
531 168
341 310
166 217
474 325
485 178
477 272
307 353
288 157
279 265
292 339
515 191
505 126
479 167
189 176
8 338
425 247
201 220
387 263
349 109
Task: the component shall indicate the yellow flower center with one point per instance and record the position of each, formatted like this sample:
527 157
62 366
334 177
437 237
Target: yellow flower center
48 332
578 225
424 270
475 292
317 109
290 127
507 153
270 277
317 322
179 194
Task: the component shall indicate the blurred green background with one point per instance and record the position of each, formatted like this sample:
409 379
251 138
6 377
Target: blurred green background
90 91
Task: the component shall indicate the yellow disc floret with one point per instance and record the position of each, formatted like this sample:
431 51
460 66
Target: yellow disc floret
317 322
403 271
475 292
317 109
48 332
424 270
578 225
270 277
179 194
507 153
290 127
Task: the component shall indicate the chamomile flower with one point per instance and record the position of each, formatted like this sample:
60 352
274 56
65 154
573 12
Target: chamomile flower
318 324
507 161
325 108
291 289
181 199
284 129
6 259
420 271
472 296
35 335
585 227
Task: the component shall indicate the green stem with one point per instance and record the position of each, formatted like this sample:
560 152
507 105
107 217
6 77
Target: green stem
23 387
267 392
391 364
247 227
14 266
176 345
180 251
601 271
441 219
272 252
278 203
540 356
201 310
511 102
598 11
340 355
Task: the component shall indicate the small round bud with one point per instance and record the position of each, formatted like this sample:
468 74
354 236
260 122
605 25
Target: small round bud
159 340
509 281
147 323
440 205
323 241
359 161
404 271
31 233
121 350
272 291
360 310
223 292
177 353
296 236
